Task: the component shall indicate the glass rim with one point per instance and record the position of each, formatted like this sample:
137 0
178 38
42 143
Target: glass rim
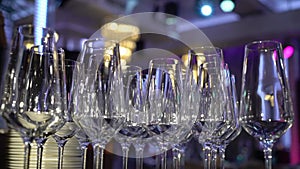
102 43
31 26
271 44
132 66
212 50
165 59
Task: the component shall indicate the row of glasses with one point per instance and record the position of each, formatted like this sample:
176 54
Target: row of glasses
168 117
163 102
266 110
23 40
41 104
31 102
155 110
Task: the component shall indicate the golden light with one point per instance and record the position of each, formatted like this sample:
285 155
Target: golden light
126 34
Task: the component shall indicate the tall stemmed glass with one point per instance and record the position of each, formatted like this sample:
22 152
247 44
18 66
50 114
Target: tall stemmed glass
266 106
205 77
101 116
68 130
14 81
234 127
133 105
76 106
168 120
41 105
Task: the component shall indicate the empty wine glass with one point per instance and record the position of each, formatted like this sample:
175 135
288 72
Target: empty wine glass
101 114
234 127
41 105
168 118
23 40
68 130
135 116
266 109
205 77
76 105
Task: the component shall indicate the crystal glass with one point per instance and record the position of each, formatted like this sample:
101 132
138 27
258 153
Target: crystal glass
206 79
233 124
24 39
168 119
41 104
101 112
76 106
133 109
68 130
266 109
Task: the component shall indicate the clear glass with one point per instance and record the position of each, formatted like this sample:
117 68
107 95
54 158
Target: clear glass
100 108
168 119
205 76
133 126
235 128
15 80
266 109
41 104
68 130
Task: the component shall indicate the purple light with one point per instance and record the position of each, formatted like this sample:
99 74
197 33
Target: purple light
288 52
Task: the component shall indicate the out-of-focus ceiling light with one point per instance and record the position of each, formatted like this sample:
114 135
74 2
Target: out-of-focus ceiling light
126 34
227 5
206 10
204 7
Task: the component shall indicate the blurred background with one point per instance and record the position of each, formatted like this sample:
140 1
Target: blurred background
228 25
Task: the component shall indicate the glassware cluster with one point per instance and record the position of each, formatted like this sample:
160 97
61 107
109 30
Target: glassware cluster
96 99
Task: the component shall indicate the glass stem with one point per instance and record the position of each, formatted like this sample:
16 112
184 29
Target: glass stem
125 151
40 147
268 155
176 158
164 159
98 156
157 162
214 157
222 149
61 148
84 148
27 150
207 156
139 159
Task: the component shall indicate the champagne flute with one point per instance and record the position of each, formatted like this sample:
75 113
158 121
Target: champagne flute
266 109
41 105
